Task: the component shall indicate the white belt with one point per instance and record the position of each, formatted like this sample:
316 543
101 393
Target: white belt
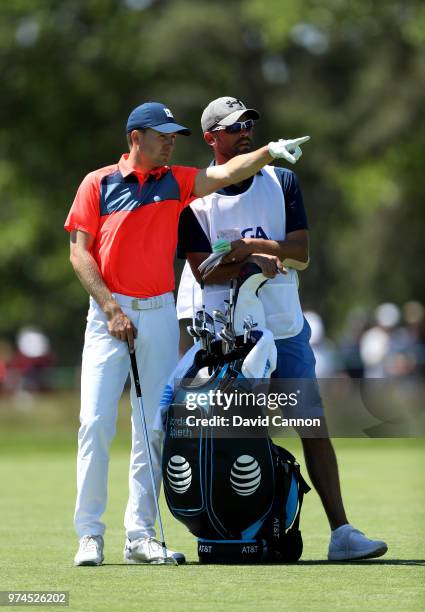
157 301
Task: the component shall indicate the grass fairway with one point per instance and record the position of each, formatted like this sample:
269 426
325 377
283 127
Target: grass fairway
384 495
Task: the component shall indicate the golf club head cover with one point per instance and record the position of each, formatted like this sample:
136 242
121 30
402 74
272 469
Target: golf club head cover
261 360
247 302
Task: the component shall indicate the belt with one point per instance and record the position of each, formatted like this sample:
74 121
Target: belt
157 301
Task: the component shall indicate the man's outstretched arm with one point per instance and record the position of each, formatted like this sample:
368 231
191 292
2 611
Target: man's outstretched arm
243 166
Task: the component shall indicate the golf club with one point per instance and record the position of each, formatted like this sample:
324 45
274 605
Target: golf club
228 339
191 331
203 297
248 326
226 335
205 329
165 560
208 322
231 304
200 329
219 317
229 329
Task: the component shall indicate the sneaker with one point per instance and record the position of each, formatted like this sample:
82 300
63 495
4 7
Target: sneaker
90 551
348 543
148 550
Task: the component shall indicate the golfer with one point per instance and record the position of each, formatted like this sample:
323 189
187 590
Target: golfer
123 231
268 212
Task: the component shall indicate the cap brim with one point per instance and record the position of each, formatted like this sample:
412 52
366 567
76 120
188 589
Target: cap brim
170 128
250 113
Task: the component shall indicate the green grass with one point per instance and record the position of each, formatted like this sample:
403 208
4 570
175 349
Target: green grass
383 487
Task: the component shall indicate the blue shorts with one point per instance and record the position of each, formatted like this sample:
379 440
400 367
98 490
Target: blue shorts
295 359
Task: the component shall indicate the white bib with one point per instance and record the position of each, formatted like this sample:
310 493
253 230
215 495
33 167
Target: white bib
259 212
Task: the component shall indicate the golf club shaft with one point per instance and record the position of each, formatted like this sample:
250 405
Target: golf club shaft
203 299
231 298
136 379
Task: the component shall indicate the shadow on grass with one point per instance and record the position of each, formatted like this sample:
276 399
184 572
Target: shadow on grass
366 562
410 562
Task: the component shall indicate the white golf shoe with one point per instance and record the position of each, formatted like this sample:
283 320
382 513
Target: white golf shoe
90 551
348 543
148 550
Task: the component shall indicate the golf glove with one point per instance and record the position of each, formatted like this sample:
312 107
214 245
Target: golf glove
287 149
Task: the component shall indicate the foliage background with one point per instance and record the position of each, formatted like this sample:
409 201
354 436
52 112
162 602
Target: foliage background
349 73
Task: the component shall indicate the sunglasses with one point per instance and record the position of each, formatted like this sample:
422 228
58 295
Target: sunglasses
235 127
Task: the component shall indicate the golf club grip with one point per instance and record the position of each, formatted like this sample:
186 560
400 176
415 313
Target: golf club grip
135 371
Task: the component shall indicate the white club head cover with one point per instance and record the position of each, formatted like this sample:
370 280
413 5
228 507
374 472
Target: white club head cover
247 300
261 360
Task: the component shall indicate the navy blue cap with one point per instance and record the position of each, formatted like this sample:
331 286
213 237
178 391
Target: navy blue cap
156 116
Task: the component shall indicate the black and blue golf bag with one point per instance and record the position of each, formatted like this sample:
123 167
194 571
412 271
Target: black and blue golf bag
240 496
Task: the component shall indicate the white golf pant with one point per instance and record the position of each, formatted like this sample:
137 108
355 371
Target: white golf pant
105 368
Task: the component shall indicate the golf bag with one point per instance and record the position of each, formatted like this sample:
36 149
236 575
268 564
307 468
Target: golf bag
241 497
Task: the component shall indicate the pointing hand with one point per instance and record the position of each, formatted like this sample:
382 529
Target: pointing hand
287 149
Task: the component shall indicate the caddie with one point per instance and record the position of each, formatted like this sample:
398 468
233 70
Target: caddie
266 216
123 234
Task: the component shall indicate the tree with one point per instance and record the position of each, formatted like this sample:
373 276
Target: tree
349 74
